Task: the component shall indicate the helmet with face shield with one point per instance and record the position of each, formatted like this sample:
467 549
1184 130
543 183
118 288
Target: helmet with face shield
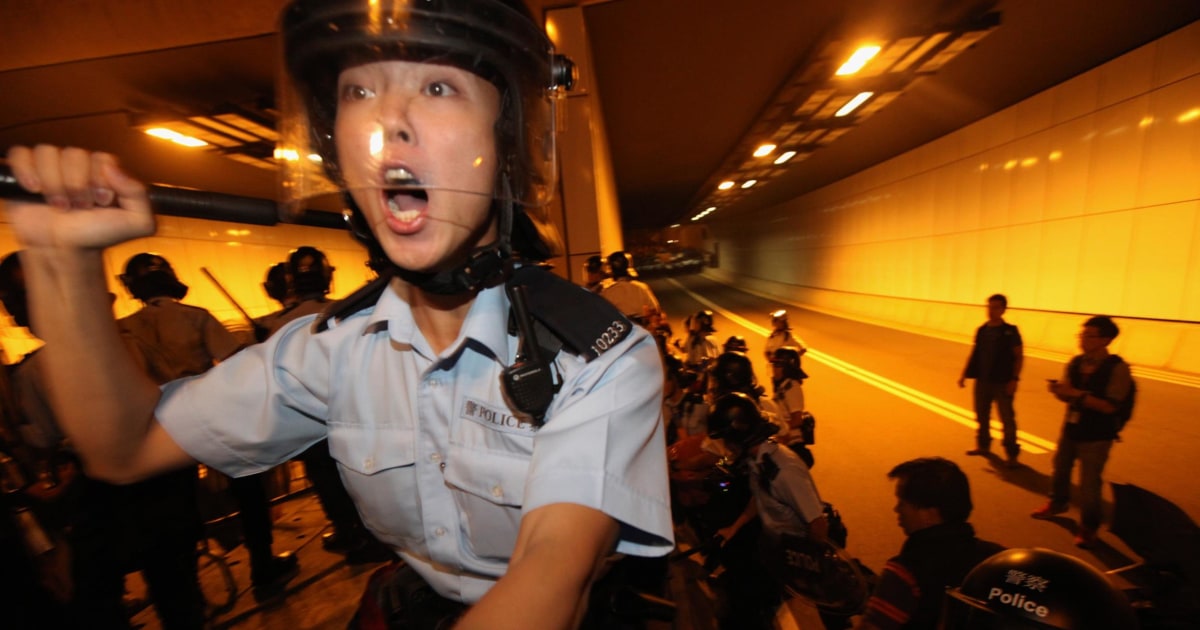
384 158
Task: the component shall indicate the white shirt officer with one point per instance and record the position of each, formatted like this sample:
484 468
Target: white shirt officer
438 464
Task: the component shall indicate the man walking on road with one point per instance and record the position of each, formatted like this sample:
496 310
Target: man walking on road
995 364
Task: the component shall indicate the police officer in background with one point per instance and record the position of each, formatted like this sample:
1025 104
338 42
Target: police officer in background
698 348
308 278
781 336
180 340
595 278
469 450
631 296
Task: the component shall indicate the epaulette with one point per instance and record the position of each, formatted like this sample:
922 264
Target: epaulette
585 323
364 297
565 314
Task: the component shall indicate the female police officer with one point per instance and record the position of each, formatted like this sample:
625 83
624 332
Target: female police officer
434 123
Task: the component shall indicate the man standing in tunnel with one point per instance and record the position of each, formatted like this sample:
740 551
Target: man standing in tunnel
995 364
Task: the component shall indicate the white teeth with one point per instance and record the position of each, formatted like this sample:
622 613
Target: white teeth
400 175
402 215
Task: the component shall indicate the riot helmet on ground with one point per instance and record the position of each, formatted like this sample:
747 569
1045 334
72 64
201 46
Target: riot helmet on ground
309 272
736 419
735 343
620 264
496 41
1036 588
149 275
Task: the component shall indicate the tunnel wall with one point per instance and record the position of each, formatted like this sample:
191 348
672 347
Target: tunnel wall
237 255
1083 199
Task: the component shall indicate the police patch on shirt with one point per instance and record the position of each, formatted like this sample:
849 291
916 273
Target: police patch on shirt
498 419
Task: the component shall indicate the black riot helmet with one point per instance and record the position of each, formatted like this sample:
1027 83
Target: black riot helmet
149 275
621 265
1036 588
733 372
276 282
496 40
12 289
309 272
702 322
735 343
736 419
788 358
594 264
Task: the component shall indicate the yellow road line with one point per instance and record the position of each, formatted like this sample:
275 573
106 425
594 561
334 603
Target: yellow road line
1030 443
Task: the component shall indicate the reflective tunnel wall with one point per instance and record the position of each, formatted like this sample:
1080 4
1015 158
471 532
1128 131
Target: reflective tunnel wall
1083 199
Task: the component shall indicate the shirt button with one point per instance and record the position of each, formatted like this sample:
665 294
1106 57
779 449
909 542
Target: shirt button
369 463
497 491
440 531
435 457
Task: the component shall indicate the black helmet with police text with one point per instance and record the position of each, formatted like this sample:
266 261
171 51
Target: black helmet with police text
1036 588
149 275
736 418
620 264
309 272
496 40
779 320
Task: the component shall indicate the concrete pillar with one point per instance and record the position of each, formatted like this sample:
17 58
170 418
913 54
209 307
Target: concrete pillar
587 204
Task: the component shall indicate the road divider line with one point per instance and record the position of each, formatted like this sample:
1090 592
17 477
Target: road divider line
1030 443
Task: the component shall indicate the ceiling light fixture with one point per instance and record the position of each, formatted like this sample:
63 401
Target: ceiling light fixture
853 104
241 134
821 100
858 60
749 183
764 150
174 136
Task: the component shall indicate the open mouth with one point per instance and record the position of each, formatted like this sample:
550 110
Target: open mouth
405 194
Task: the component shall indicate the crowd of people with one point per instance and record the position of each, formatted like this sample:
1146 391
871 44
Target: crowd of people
500 433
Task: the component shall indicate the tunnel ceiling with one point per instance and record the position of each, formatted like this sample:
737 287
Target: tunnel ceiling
685 85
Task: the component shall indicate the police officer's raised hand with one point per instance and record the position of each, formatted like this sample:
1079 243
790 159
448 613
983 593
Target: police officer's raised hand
90 203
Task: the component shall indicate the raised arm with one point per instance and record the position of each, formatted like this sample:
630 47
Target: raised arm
560 549
103 401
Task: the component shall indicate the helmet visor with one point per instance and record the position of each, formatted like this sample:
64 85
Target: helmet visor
400 98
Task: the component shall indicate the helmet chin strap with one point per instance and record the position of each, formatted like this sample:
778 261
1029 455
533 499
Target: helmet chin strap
487 266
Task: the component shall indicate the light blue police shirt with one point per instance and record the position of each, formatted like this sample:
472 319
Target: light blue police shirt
439 466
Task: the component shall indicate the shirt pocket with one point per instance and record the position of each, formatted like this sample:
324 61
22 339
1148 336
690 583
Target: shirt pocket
489 490
376 467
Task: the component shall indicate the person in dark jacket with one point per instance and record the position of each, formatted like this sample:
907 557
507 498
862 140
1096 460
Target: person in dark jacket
933 501
1094 385
995 364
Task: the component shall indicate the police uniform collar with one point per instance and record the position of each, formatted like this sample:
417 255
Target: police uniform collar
484 323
